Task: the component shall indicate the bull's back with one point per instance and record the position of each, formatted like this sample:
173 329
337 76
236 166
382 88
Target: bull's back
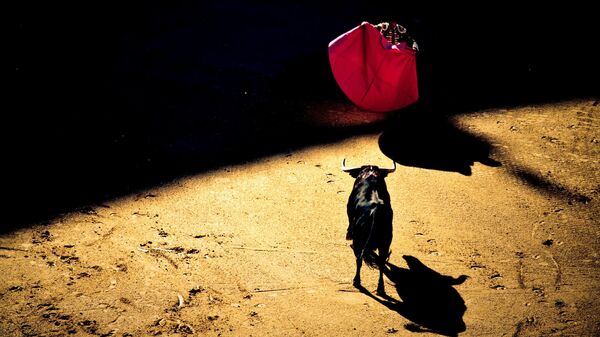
370 213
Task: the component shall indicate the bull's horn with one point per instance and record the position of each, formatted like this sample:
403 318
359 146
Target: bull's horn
346 169
390 170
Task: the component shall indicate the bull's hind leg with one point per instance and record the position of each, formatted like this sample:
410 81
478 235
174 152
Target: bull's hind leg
384 253
380 286
356 248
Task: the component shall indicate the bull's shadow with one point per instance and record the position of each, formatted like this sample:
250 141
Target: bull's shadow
419 136
428 298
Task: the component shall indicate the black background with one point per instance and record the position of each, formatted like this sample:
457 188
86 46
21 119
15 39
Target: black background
111 98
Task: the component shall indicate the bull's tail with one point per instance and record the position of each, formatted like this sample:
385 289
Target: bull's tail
372 243
370 258
368 252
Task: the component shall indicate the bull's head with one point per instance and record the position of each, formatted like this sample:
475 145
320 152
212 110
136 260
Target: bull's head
356 171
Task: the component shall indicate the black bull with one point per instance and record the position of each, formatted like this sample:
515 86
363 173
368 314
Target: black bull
370 219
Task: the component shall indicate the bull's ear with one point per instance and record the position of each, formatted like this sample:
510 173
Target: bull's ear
354 172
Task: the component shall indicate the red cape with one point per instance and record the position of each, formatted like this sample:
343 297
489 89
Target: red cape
373 73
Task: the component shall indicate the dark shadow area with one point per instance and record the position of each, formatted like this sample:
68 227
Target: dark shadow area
428 298
123 97
505 55
422 138
542 183
113 98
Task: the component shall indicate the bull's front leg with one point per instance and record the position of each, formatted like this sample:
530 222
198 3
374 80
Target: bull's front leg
356 282
349 235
